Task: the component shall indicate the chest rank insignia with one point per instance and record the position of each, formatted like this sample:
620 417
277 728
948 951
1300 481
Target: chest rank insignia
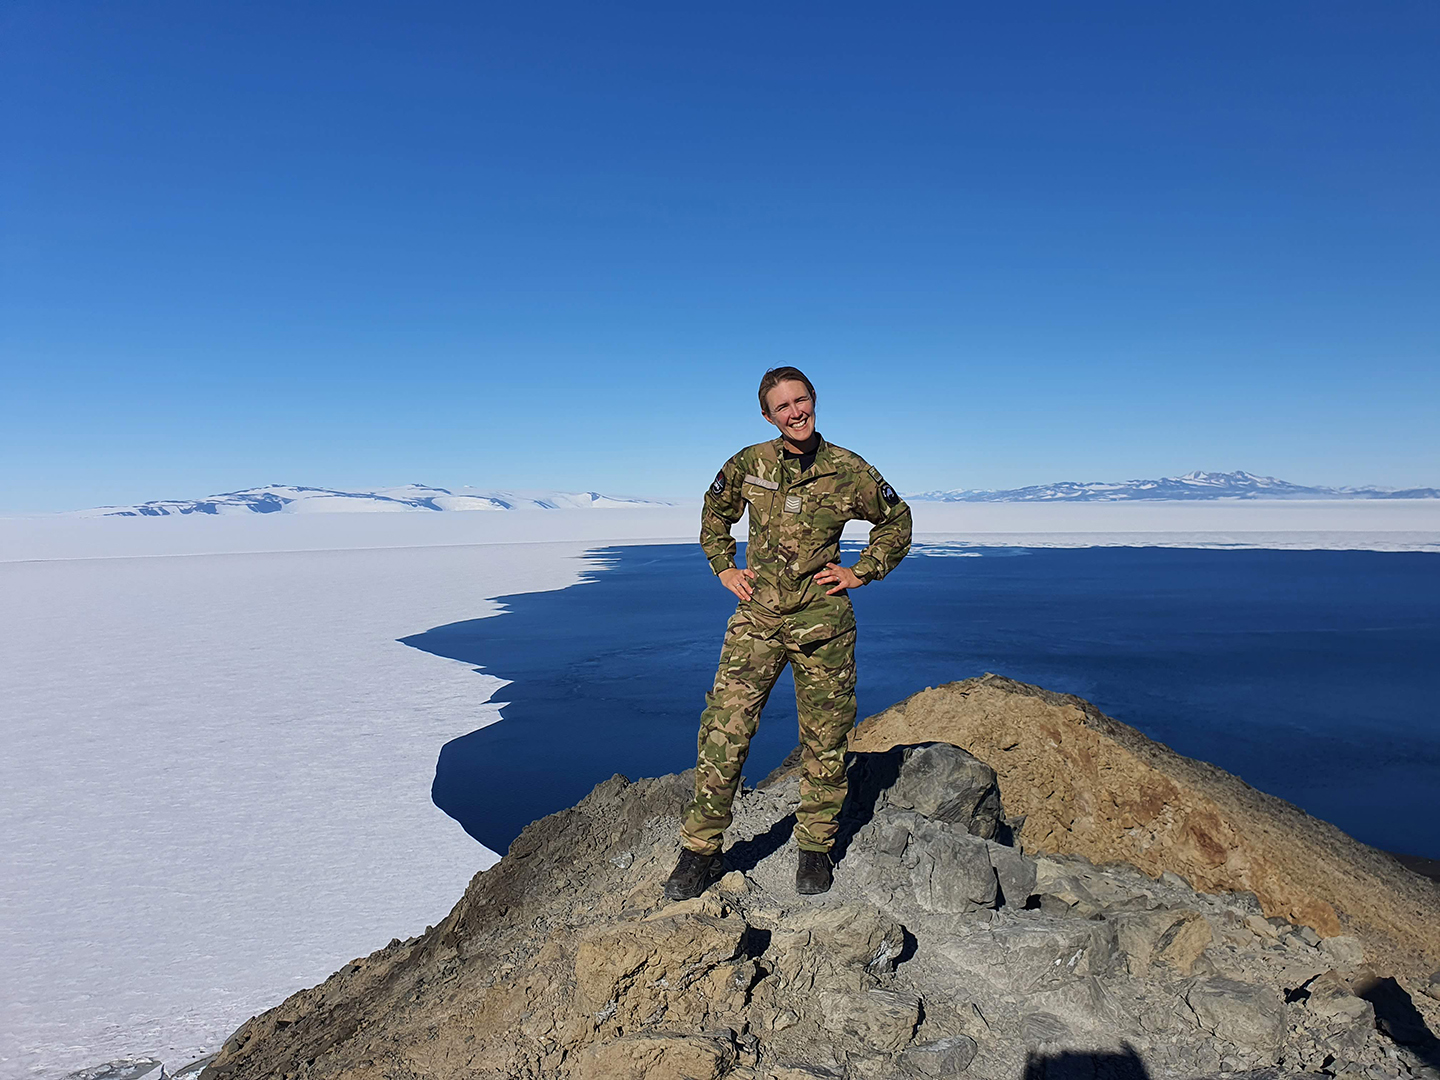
718 486
792 504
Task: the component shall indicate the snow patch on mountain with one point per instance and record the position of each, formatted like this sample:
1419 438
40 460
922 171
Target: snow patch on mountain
409 498
1192 486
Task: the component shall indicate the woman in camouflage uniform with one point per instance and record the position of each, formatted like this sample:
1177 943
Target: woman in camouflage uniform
793 609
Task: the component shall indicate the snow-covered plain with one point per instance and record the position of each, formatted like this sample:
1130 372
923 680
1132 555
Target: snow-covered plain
216 776
218 757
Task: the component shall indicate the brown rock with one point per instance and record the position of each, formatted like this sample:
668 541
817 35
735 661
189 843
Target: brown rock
1176 938
1183 943
656 1057
1089 785
673 951
734 884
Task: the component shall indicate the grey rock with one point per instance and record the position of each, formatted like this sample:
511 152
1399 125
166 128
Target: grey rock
1331 1000
131 1068
1015 873
1245 1014
1261 928
1086 1004
1035 953
944 783
939 867
1069 884
1042 1028
952 871
844 947
884 1019
891 837
1432 987
1345 952
1308 936
1245 903
941 1059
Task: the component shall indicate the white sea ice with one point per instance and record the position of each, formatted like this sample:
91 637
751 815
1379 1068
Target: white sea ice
1337 524
215 783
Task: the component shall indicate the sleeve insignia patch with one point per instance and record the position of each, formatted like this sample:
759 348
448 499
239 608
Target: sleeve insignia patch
718 487
888 494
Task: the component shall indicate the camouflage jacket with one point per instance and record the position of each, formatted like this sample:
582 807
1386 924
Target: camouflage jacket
796 520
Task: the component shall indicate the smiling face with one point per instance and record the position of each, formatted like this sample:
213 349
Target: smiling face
789 406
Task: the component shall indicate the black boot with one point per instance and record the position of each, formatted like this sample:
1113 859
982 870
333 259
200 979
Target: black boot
693 874
813 874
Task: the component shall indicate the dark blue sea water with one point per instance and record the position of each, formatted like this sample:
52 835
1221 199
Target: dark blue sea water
1308 673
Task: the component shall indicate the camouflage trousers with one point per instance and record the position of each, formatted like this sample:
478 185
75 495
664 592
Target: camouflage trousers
756 649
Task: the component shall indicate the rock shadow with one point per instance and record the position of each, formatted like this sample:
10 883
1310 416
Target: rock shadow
870 775
1397 1017
1083 1065
748 854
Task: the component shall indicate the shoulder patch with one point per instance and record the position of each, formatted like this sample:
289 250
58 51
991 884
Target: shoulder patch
888 494
875 475
718 487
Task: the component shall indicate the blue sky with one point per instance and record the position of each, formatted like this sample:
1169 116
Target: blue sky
555 245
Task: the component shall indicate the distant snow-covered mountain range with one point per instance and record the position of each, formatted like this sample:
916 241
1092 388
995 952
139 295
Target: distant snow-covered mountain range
1191 486
288 499
419 498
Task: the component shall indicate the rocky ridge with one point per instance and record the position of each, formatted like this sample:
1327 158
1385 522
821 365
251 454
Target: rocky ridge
953 944
1089 785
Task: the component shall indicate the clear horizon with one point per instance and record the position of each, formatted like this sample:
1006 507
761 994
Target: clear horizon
555 247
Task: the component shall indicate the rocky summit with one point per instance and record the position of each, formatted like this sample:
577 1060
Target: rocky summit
1015 896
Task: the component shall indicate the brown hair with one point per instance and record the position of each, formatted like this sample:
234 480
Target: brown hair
777 375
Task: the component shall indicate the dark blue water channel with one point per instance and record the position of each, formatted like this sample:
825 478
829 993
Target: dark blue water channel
1307 673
